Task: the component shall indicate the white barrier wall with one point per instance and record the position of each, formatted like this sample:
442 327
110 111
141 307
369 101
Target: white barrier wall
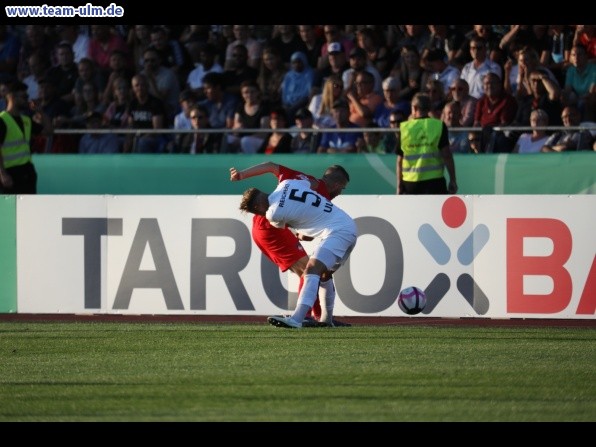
475 256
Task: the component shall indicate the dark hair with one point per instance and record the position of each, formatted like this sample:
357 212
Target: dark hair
159 29
242 49
436 54
411 48
118 52
422 102
272 49
580 46
303 113
215 79
16 86
480 40
250 83
209 48
369 77
64 44
187 95
279 112
336 172
202 108
87 61
152 49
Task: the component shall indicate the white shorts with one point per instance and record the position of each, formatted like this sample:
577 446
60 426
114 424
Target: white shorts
335 249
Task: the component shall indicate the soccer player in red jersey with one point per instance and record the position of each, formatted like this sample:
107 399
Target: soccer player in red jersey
281 245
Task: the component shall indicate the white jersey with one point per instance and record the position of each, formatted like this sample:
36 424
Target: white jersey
296 205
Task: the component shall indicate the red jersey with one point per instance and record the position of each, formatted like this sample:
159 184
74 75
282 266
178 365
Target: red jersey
280 244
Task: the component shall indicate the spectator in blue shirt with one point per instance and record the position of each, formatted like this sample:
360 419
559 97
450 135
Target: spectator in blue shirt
341 142
98 143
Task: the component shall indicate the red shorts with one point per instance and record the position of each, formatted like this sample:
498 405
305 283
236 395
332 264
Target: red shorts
278 244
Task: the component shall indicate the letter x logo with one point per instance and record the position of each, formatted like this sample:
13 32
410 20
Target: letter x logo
454 214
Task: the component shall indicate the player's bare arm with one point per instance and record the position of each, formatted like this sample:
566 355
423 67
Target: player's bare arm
253 171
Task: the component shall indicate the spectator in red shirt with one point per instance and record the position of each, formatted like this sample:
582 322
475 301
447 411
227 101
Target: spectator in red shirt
495 108
103 42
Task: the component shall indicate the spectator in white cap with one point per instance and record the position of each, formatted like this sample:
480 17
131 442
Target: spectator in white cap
333 33
335 47
338 63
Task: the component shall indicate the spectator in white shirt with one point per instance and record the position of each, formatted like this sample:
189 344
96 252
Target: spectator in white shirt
435 62
206 64
474 71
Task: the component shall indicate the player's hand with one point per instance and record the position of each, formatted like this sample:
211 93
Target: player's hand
234 175
304 237
452 188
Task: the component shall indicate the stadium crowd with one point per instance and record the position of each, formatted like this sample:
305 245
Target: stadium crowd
480 79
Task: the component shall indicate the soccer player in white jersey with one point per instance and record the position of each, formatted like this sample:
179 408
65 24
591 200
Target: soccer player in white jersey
295 205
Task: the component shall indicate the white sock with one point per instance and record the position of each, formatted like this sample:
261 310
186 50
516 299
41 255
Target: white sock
327 299
307 297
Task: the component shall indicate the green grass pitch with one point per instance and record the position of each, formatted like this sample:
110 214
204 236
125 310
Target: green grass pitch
106 371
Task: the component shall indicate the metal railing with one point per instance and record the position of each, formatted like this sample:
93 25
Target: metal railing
136 133
590 127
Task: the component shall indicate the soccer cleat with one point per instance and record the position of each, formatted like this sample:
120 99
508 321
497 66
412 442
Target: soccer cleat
309 322
335 323
338 323
285 322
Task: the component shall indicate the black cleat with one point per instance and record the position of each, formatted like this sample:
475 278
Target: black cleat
338 323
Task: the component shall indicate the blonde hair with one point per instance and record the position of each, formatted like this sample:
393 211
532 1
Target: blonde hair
327 98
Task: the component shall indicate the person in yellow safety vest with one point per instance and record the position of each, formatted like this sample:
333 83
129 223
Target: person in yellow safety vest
17 173
423 153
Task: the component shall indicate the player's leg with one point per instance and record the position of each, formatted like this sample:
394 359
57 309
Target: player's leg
284 249
326 296
308 294
333 252
298 267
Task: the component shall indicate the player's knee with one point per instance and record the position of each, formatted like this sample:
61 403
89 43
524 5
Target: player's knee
315 267
300 265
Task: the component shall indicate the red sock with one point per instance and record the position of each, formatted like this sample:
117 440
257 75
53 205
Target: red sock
316 309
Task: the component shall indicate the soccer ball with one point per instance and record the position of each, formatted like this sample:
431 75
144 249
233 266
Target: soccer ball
411 300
